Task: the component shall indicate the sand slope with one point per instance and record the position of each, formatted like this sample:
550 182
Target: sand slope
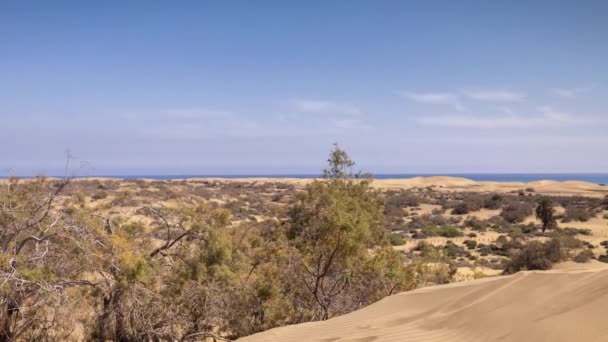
560 305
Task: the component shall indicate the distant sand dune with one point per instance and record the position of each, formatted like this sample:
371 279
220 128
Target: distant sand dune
560 305
458 184
442 183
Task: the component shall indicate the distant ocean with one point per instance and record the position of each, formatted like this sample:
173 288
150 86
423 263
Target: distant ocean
599 178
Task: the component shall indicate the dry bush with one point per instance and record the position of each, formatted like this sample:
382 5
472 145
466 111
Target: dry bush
576 213
536 255
98 195
516 212
584 256
531 257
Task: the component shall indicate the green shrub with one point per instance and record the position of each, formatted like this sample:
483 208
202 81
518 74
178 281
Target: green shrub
450 232
445 231
516 233
396 239
476 224
452 250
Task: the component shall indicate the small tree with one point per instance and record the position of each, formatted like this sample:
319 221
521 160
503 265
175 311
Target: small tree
335 230
339 164
545 212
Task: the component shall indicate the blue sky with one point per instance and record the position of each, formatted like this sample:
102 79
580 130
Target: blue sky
241 87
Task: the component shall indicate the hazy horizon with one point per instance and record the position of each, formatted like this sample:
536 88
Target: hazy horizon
266 88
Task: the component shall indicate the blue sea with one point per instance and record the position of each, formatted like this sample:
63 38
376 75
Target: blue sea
599 178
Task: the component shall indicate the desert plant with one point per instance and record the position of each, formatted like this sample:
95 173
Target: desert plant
461 209
331 228
471 244
532 257
584 256
99 195
516 212
576 213
545 213
396 239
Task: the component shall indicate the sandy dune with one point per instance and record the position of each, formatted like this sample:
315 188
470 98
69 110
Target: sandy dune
444 183
441 183
567 304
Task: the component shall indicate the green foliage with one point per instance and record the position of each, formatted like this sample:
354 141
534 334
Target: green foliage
218 249
333 226
445 231
339 164
476 224
396 239
433 266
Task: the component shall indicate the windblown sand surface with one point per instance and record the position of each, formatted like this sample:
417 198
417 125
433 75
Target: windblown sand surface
568 304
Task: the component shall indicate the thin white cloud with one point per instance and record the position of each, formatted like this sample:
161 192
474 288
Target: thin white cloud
548 117
494 95
468 121
178 113
349 124
323 106
441 98
571 93
197 113
195 123
554 115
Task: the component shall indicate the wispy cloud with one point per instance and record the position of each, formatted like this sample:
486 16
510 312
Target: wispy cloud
197 113
178 114
455 98
494 95
555 115
571 93
324 106
547 117
349 124
195 123
441 98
